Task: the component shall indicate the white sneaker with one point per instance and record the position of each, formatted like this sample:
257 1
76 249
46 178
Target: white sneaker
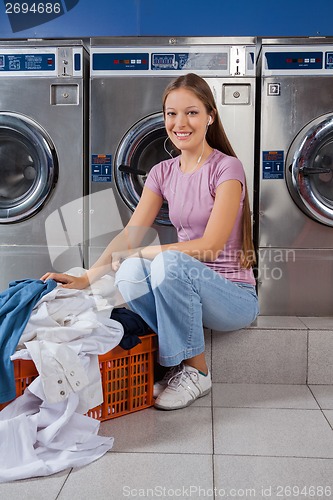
183 389
161 384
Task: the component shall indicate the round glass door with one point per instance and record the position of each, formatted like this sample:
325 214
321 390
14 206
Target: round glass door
28 167
142 147
310 173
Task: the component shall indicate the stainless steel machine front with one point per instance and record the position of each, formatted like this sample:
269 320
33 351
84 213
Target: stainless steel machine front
128 77
42 157
296 178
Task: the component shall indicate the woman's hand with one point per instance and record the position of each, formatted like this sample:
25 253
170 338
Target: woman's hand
119 256
68 281
117 259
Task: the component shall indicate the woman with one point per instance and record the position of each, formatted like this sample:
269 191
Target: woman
206 277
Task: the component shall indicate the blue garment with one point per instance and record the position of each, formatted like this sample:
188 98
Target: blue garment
176 295
16 304
133 324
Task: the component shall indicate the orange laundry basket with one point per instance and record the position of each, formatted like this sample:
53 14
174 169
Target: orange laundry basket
127 379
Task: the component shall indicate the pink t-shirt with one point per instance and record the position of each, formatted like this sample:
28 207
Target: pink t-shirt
191 198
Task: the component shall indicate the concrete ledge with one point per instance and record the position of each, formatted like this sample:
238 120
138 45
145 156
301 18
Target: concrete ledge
275 350
258 356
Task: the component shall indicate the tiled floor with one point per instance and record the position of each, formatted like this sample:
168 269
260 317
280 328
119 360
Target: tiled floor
242 441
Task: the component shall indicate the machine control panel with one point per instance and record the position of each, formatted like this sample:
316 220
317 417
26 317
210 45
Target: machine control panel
115 61
298 60
294 60
49 61
160 61
27 62
214 60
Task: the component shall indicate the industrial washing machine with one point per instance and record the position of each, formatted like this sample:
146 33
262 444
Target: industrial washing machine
128 77
43 138
295 271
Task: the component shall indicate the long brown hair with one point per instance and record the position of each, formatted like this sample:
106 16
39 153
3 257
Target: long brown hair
217 139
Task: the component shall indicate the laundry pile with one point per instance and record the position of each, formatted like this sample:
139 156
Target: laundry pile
63 331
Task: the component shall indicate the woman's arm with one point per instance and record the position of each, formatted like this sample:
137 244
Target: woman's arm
126 244
123 244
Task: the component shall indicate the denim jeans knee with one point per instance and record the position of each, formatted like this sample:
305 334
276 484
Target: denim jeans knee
164 266
132 278
176 294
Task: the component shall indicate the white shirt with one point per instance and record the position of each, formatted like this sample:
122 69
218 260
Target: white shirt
66 332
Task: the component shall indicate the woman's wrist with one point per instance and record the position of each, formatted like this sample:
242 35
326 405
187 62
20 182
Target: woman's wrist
86 280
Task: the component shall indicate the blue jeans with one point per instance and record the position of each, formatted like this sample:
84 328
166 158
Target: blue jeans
176 295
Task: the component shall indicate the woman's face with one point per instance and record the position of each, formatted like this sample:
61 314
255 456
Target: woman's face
186 120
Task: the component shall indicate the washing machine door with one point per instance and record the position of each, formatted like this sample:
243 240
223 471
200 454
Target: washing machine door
28 167
310 173
143 146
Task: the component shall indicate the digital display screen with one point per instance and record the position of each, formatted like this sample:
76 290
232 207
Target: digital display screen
164 60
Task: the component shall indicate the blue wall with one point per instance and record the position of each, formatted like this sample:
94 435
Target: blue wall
237 18
85 18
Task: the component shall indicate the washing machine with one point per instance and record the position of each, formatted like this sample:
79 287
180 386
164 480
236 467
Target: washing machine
127 134
43 152
295 254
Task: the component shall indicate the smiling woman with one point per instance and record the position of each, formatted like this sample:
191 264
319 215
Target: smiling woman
186 122
205 278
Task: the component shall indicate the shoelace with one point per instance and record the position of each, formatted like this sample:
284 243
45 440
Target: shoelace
169 374
175 380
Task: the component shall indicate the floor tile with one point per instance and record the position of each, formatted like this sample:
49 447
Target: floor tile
137 475
329 415
263 396
319 323
324 395
278 323
180 431
272 432
320 357
273 478
34 489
